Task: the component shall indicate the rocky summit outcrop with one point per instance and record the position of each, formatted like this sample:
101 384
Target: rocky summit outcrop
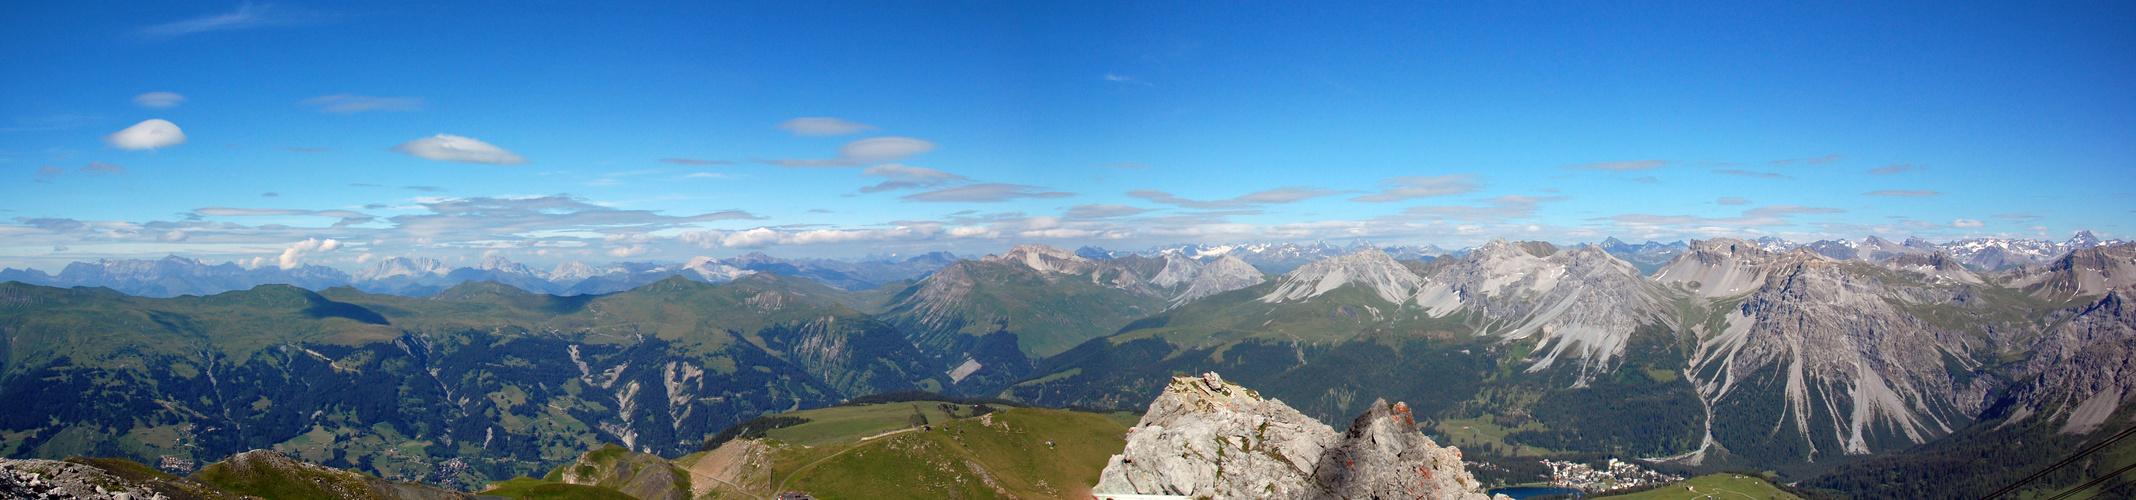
270 474
1206 438
1383 456
98 479
641 475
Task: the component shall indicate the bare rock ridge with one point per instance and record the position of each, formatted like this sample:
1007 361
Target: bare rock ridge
1207 438
2086 366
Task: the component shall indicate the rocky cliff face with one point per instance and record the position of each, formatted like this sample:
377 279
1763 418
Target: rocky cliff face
1825 349
1207 438
2085 366
1583 305
1224 274
2085 272
1368 267
640 475
1383 456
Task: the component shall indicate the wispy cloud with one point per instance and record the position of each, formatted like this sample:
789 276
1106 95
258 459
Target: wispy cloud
1774 215
985 193
426 189
1896 168
823 126
1098 211
1493 210
346 103
1731 200
246 16
909 177
159 100
695 162
1421 186
1788 211
1621 166
93 169
1902 193
1967 223
1126 165
443 147
862 152
100 169
307 150
1815 160
345 217
1753 174
1289 194
1117 78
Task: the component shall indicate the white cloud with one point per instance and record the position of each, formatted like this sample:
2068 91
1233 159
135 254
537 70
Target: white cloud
1896 168
297 251
445 147
1964 223
909 177
1819 160
1902 193
100 169
1289 194
1750 173
864 151
985 193
346 103
630 251
764 236
695 162
151 134
884 149
1125 79
1788 210
821 126
1421 186
1494 210
247 15
159 100
1731 200
1621 166
1097 211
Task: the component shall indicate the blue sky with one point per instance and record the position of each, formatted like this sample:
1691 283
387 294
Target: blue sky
548 133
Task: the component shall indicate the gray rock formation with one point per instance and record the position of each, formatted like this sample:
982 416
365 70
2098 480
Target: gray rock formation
1582 305
1855 372
640 475
1207 438
2085 365
1383 456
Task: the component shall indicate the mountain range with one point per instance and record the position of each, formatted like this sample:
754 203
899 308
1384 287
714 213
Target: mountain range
1729 354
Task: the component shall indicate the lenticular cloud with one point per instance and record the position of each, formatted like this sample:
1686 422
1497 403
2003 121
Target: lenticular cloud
445 147
151 134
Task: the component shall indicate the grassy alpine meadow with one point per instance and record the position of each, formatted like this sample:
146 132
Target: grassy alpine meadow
1712 486
1020 453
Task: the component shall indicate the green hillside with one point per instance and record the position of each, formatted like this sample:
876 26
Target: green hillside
1005 316
479 382
1723 485
999 455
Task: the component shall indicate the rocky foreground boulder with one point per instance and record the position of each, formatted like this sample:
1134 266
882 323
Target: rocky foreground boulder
1207 438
